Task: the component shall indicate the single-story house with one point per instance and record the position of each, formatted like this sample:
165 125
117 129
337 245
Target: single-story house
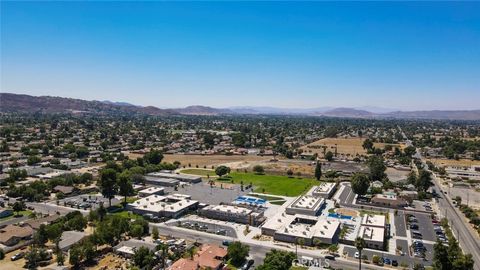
13 234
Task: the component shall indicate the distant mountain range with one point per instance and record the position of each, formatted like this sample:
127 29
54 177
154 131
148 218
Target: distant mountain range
47 104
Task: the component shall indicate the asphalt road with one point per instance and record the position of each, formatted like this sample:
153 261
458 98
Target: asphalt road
469 240
401 259
257 251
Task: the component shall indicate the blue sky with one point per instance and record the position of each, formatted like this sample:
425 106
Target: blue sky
285 54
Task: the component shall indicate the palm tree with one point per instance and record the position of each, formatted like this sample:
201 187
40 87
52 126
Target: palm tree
360 244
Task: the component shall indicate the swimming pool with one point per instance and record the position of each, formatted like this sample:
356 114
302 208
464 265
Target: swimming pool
336 215
250 200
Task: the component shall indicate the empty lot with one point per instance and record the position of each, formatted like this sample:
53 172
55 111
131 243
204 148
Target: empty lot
345 146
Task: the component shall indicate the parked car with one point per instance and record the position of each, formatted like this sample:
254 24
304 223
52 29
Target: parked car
394 263
330 257
413 227
226 243
18 256
387 261
247 265
417 236
357 255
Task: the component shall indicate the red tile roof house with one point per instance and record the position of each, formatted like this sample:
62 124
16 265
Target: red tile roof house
208 257
184 264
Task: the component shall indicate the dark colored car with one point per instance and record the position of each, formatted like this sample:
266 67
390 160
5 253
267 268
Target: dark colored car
330 257
413 226
394 263
247 265
226 243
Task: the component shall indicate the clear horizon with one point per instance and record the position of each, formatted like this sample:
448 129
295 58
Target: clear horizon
406 56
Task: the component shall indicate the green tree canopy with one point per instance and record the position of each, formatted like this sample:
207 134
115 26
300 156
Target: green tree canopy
360 183
221 170
237 252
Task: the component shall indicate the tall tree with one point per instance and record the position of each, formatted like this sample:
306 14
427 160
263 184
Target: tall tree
237 252
367 144
329 156
360 183
318 171
221 170
377 168
153 157
277 260
108 184
440 257
125 186
424 180
360 245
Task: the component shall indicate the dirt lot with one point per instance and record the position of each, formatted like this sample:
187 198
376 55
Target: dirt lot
8 264
345 146
111 261
453 162
236 161
396 175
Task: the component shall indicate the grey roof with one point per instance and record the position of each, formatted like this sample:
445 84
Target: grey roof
70 238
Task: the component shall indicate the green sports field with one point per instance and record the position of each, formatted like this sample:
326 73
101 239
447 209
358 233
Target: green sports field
272 184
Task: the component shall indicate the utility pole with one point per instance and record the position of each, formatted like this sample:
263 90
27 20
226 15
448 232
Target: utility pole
468 196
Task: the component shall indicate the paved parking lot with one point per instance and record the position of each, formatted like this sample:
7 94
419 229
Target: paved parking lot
400 226
425 226
403 244
347 196
86 201
203 193
206 227
400 259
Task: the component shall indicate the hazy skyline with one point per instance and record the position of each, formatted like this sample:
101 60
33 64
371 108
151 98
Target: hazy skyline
292 55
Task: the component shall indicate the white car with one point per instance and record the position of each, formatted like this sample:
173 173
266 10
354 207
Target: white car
357 255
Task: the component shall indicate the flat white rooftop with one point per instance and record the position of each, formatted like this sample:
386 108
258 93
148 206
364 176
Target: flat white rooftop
228 209
324 187
307 202
152 190
169 203
374 220
373 234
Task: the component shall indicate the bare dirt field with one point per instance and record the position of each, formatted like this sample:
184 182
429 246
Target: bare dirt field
8 264
468 195
111 261
236 161
453 162
347 212
246 163
345 146
396 175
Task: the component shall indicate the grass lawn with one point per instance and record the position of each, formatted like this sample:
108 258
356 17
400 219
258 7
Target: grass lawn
127 214
131 199
272 184
298 268
200 172
271 199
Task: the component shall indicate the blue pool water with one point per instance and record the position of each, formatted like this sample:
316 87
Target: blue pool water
250 200
335 215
